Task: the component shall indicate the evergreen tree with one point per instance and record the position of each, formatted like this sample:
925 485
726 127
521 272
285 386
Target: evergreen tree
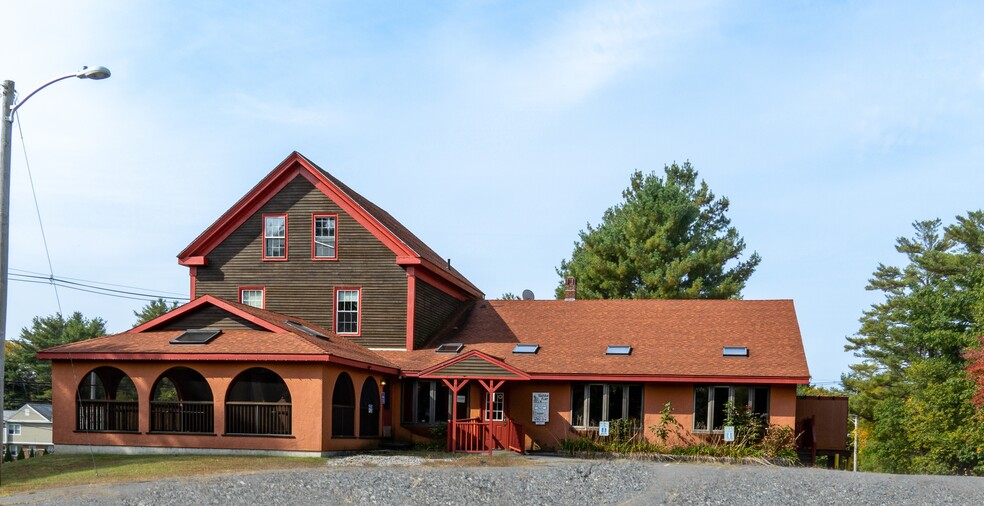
152 310
669 239
912 387
32 375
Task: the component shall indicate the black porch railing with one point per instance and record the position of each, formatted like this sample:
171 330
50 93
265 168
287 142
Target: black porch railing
263 418
99 415
182 416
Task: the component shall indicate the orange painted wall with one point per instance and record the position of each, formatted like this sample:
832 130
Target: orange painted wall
310 406
782 405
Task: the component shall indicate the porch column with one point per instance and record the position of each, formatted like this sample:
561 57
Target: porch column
455 387
491 387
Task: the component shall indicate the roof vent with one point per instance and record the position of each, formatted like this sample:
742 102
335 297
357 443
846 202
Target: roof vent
306 329
618 350
735 351
526 349
196 336
449 348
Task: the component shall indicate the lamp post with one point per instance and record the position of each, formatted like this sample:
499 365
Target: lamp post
9 108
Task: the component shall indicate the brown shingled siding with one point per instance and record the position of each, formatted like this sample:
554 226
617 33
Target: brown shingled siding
209 316
474 367
305 288
432 308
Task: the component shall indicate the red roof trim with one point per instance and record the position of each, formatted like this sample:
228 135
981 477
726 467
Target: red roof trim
674 379
215 357
438 274
207 299
195 261
430 371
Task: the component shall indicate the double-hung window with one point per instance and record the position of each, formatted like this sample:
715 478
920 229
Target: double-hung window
13 429
710 410
323 245
347 310
595 402
275 237
252 296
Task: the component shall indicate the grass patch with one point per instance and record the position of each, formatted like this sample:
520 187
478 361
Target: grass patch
76 469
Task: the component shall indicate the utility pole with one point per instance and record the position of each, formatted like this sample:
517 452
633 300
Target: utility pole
855 457
6 132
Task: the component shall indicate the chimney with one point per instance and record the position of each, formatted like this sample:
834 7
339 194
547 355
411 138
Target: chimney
570 288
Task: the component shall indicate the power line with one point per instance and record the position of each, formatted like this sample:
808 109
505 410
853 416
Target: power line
82 287
172 295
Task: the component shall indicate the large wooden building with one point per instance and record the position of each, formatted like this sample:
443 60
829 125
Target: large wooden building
319 323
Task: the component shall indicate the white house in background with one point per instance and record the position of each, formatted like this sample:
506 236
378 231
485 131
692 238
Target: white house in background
28 429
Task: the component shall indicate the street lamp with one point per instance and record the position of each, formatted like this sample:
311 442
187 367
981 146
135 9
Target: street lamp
9 108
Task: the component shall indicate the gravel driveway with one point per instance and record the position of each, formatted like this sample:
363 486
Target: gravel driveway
533 480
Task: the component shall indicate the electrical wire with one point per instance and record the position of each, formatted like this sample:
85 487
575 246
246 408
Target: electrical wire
172 295
37 208
98 290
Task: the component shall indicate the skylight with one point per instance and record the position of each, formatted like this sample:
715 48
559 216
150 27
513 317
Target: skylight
305 328
450 348
618 350
196 336
735 351
529 349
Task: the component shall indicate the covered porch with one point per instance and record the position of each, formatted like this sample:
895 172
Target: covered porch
493 428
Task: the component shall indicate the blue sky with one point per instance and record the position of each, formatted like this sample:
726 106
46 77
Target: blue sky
496 131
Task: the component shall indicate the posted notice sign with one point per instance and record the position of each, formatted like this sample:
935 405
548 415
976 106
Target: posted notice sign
729 433
541 408
603 429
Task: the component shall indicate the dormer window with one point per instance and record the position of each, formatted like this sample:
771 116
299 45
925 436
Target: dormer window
735 351
323 237
275 237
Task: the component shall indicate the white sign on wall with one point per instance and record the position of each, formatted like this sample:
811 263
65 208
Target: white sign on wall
603 429
729 433
541 408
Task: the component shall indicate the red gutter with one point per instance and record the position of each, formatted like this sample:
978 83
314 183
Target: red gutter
216 357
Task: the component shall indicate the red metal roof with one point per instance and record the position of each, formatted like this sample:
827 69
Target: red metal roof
670 339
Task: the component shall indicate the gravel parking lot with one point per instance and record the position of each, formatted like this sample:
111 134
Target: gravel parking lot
533 480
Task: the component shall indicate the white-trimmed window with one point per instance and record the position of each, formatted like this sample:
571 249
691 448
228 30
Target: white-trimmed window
498 401
710 401
347 316
324 237
274 236
595 402
252 296
13 429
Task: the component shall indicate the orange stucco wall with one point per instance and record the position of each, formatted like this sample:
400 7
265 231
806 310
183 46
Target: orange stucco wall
310 387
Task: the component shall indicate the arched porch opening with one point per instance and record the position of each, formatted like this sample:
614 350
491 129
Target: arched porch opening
106 401
258 403
343 407
181 401
369 409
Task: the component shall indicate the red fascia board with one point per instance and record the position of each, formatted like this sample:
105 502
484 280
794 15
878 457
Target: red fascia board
213 357
474 353
440 278
207 299
243 208
654 378
195 261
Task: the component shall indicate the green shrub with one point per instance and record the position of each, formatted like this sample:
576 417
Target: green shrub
779 441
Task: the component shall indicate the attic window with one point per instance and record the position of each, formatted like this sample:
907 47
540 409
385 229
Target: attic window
529 349
618 350
305 328
196 336
450 348
735 351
